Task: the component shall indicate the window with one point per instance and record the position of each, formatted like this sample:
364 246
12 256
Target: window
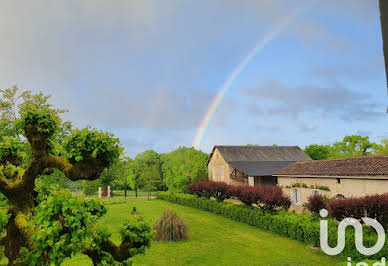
214 172
338 180
295 196
340 196
222 172
314 192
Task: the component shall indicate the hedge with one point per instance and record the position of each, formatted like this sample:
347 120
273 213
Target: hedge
301 227
266 197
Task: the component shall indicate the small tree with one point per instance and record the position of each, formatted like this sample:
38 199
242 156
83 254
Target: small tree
82 156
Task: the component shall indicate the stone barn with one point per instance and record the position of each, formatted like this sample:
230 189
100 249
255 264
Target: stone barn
251 165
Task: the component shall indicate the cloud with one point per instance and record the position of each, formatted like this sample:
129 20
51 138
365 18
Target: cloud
150 109
275 98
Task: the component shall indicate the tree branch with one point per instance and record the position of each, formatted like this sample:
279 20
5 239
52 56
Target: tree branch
3 239
119 253
23 226
89 169
4 186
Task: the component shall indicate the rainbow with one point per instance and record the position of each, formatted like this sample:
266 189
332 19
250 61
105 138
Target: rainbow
240 67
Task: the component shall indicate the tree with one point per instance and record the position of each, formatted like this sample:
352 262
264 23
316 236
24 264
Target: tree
351 146
382 148
83 155
318 152
148 170
125 175
184 166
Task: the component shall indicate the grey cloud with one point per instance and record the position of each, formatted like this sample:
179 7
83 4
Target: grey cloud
163 108
277 99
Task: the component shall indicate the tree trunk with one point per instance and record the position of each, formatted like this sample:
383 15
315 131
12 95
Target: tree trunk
125 192
136 191
14 241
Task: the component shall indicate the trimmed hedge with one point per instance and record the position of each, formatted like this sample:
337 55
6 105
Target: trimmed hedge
301 227
372 206
266 197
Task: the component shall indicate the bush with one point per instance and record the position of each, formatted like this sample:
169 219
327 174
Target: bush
200 189
301 227
315 203
373 206
248 195
267 197
272 198
170 227
219 190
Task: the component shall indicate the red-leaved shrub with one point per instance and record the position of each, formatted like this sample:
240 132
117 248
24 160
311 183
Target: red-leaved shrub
315 203
266 197
219 190
272 198
248 195
373 206
200 189
343 208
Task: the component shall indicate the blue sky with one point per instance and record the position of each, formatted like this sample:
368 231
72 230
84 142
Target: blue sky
148 70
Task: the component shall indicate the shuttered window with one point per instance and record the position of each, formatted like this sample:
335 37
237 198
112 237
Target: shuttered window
295 196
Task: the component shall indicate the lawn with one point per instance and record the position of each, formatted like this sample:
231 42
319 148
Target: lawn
214 240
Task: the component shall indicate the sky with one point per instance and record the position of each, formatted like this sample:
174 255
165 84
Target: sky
148 70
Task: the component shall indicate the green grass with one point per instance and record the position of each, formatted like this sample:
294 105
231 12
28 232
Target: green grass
213 240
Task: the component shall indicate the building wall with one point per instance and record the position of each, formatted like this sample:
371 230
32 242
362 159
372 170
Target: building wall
215 166
347 187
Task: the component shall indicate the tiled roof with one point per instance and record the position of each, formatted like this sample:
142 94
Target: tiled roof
260 168
261 153
354 166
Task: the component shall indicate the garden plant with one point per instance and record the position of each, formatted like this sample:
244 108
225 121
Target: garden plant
42 230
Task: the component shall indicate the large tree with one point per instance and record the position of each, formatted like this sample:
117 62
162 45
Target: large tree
83 155
354 145
183 167
318 152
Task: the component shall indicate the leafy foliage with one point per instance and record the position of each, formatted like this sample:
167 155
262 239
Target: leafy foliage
372 206
315 203
62 225
65 224
44 120
90 143
318 152
184 166
170 227
218 190
266 197
12 149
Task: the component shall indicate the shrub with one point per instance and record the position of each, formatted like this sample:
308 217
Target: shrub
200 189
267 197
219 190
315 203
248 195
272 198
372 206
301 227
170 227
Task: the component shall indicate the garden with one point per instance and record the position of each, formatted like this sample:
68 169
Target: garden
44 220
212 239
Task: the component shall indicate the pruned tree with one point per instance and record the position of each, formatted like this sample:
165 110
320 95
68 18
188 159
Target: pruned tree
84 155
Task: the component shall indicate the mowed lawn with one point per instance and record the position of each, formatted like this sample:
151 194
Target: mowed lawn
214 240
